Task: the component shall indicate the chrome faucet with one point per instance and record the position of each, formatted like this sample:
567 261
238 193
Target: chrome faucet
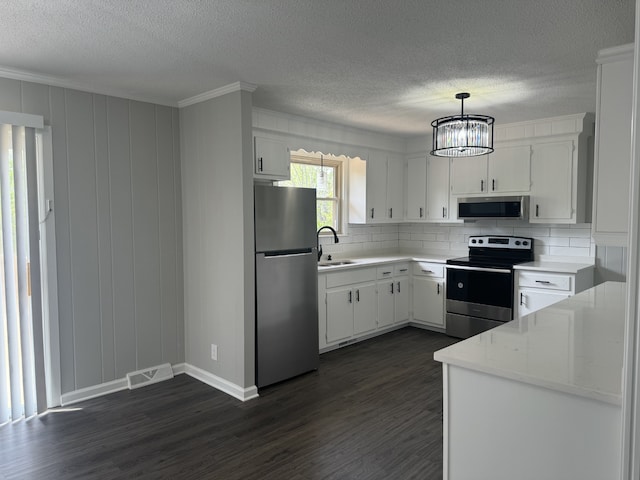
335 239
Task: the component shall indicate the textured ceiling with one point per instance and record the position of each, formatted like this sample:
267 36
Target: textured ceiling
379 64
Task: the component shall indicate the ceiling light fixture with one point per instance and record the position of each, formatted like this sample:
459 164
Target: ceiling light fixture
462 135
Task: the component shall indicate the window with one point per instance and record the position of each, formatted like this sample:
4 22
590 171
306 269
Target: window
307 171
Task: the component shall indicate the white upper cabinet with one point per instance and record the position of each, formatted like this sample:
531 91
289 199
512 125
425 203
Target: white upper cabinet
375 189
612 158
469 175
553 187
428 193
559 172
506 170
438 190
416 188
271 158
509 169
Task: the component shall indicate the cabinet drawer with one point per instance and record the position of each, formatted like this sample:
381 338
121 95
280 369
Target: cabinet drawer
351 276
386 271
550 281
400 269
425 269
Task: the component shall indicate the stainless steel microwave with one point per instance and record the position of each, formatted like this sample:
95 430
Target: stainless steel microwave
474 208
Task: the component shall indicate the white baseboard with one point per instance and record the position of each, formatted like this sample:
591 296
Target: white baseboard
221 384
93 391
113 386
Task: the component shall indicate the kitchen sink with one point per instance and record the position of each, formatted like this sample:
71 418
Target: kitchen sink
334 263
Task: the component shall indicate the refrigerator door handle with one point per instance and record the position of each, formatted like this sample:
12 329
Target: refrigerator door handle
306 251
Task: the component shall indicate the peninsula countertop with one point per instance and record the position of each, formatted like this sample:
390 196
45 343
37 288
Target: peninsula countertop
574 346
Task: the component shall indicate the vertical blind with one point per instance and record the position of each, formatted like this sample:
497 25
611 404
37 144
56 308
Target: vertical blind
22 384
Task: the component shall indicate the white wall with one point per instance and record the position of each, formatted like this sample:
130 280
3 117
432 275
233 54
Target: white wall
118 215
217 163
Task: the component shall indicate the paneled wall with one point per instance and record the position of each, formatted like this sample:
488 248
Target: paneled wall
217 160
118 217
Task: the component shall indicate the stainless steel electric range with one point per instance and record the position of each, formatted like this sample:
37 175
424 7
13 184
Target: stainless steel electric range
480 286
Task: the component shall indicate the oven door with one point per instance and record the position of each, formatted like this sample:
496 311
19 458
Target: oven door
480 292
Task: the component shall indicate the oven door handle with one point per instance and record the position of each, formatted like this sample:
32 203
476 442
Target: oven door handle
479 269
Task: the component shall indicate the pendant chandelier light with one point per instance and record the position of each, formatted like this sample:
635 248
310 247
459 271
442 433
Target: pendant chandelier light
462 135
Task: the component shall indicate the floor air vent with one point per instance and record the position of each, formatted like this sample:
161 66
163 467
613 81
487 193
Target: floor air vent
141 378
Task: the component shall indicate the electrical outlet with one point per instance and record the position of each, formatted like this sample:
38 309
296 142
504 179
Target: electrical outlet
214 351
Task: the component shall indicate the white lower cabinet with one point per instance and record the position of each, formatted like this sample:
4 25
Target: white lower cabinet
351 304
364 308
351 311
393 294
428 294
536 289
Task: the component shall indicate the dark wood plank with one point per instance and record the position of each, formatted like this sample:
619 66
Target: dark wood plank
372 411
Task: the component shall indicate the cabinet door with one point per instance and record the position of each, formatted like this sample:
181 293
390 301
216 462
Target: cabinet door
364 308
552 182
401 300
376 188
469 175
612 152
417 188
395 182
531 300
428 301
386 294
272 158
438 189
510 169
339 314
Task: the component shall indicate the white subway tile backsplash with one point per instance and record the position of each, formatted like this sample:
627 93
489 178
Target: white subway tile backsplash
553 241
570 251
580 242
531 231
549 240
557 231
411 245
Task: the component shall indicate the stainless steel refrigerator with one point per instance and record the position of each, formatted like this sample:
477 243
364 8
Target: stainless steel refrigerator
286 283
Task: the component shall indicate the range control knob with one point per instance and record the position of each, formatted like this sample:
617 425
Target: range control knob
480 241
517 242
525 243
473 241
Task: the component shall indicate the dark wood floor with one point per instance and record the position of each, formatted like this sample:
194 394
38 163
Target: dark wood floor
372 411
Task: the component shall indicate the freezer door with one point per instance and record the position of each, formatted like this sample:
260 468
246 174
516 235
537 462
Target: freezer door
285 218
286 316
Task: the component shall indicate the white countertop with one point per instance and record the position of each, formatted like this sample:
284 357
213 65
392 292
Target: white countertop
574 346
366 260
546 266
380 259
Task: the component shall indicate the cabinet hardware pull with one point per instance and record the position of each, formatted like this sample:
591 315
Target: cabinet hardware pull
537 209
438 288
521 298
544 282
421 212
386 273
358 295
391 212
371 212
482 185
260 164
398 287
350 296
444 212
427 271
391 288
493 184
403 269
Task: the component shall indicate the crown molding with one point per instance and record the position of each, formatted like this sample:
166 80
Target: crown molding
218 92
70 84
